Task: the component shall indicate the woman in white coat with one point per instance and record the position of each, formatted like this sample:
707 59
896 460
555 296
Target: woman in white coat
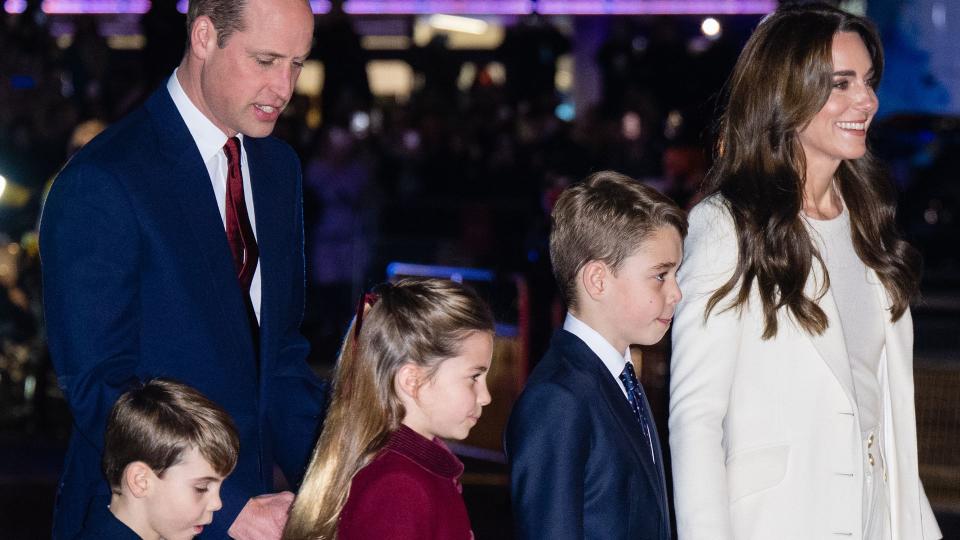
791 407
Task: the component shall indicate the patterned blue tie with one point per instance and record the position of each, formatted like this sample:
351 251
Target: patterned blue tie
637 403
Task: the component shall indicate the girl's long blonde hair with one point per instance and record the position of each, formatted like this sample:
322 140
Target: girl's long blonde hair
419 321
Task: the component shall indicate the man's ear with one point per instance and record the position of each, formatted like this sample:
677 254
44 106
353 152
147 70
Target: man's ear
138 479
203 37
409 380
594 278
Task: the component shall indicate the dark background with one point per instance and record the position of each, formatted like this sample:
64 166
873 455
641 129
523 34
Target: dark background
456 172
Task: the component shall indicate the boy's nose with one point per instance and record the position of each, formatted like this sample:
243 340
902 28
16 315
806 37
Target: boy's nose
675 294
215 502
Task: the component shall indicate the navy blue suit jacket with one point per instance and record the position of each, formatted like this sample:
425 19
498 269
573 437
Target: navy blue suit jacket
580 466
103 525
139 283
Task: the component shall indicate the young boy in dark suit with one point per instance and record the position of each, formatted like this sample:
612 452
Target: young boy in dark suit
584 456
167 451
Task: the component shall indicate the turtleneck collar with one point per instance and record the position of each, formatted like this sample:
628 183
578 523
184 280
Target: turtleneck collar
431 455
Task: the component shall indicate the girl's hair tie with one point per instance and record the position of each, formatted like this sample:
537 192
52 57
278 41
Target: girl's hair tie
370 299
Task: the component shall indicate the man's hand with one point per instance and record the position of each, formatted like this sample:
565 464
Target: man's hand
262 518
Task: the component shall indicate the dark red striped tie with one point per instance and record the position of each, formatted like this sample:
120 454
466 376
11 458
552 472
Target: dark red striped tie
243 244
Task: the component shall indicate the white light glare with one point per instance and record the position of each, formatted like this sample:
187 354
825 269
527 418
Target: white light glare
453 23
710 27
360 123
938 13
3 185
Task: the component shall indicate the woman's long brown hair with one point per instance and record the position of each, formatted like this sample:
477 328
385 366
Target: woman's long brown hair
420 321
781 80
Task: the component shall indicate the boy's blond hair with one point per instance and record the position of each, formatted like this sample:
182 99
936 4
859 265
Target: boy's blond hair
605 218
158 422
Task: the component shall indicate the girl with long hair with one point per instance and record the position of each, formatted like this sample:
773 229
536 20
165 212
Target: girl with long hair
791 405
412 370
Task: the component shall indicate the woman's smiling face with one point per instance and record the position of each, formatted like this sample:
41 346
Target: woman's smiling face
838 131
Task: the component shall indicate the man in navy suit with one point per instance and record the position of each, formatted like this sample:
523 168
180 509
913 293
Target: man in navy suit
584 456
172 246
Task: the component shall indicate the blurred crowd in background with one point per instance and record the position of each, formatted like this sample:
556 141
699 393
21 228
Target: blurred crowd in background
462 170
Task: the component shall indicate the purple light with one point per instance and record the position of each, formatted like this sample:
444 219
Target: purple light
60 7
57 7
655 7
490 7
476 7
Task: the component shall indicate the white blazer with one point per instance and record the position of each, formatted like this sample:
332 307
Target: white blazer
765 435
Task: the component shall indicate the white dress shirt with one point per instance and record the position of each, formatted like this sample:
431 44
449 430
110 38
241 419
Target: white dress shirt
613 360
210 141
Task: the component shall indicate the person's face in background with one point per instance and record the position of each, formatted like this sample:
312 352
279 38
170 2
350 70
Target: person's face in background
839 130
246 84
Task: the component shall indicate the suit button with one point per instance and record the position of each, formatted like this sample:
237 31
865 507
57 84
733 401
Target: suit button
870 441
870 459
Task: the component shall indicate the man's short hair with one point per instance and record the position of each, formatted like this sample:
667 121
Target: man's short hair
226 15
160 421
605 218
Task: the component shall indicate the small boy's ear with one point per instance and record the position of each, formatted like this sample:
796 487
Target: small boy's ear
593 278
409 379
138 479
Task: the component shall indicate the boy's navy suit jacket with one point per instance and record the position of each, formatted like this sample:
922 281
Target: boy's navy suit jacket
139 283
580 466
103 525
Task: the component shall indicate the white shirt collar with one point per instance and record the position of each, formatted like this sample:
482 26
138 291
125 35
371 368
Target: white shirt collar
206 135
613 360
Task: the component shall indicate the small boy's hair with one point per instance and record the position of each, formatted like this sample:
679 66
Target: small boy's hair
158 422
605 218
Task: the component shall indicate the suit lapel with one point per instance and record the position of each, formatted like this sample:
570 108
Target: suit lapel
266 212
658 452
190 184
620 409
631 428
831 345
